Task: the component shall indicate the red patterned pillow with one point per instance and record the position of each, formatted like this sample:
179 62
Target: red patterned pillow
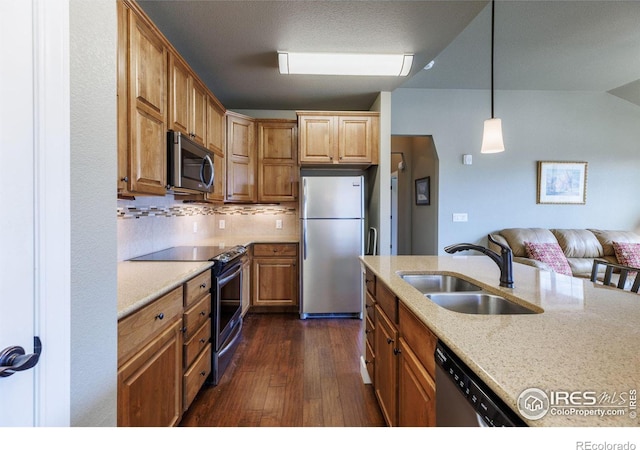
627 253
549 253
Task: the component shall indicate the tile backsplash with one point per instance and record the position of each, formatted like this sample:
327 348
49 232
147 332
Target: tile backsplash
148 224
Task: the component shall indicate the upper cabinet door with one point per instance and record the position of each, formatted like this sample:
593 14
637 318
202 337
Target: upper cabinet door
198 111
277 160
241 158
317 139
216 132
355 139
147 109
179 85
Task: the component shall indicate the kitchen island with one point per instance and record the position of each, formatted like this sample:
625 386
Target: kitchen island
583 342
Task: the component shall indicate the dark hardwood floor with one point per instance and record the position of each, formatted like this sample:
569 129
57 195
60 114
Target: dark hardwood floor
289 372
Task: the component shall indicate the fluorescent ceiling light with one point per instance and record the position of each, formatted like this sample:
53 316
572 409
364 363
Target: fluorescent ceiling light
344 64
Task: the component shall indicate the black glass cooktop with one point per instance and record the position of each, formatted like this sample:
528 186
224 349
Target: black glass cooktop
186 253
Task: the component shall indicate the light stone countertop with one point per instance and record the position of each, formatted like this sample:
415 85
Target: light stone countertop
587 338
141 282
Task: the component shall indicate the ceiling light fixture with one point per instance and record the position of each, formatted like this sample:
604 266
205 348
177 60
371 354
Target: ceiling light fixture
398 65
492 136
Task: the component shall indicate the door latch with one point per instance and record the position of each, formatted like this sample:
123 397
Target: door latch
13 359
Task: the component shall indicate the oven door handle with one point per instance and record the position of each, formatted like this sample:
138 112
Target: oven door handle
226 276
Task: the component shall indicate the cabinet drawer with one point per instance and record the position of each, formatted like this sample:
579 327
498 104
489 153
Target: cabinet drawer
370 361
195 377
369 306
419 338
387 301
198 341
137 329
195 316
275 249
369 330
196 287
370 281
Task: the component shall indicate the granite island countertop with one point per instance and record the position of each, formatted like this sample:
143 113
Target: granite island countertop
585 340
141 282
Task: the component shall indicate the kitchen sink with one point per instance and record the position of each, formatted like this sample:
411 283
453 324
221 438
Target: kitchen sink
478 303
428 283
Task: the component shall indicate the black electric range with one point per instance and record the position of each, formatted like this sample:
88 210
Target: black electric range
221 255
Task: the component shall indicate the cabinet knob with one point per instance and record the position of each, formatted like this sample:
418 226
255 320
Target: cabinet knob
203 313
203 340
203 285
203 373
389 341
366 361
160 316
125 179
397 351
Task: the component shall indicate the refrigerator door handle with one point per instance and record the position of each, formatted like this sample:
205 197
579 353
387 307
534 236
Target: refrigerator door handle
304 240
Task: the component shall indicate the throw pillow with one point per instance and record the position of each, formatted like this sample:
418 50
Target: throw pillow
627 253
549 253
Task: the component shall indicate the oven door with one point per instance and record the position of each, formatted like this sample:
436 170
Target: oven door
228 302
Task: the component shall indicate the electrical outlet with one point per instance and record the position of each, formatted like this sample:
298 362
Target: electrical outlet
460 217
221 224
195 227
278 224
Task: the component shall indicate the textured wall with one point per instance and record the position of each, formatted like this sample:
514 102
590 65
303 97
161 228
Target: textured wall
93 222
499 191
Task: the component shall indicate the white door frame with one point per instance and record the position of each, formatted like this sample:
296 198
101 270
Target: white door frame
52 149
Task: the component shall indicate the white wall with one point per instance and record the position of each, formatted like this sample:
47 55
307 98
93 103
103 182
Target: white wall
93 220
499 190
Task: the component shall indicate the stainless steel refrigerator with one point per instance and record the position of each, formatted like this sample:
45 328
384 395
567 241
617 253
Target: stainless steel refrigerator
332 228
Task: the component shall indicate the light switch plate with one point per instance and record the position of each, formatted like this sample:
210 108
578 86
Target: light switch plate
460 217
278 224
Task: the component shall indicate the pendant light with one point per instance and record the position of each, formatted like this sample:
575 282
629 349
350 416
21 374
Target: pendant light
492 136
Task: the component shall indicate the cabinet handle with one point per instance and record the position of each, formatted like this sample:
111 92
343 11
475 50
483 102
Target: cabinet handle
183 329
366 361
368 306
203 373
125 179
203 340
367 331
203 313
203 285
397 351
160 316
389 341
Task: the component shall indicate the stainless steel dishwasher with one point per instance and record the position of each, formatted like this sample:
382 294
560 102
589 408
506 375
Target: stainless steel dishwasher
463 400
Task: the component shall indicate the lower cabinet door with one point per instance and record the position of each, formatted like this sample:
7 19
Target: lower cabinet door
196 375
150 382
416 391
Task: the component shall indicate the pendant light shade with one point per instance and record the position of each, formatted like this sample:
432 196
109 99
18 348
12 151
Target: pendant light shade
492 136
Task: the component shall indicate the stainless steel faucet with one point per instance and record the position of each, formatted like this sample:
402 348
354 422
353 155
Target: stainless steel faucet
504 260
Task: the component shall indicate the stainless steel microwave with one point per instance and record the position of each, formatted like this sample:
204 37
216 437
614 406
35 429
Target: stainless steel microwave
189 164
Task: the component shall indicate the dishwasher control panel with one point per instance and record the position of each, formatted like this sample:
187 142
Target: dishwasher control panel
493 411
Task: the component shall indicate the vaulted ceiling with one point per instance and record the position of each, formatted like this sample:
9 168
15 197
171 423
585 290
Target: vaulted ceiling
539 45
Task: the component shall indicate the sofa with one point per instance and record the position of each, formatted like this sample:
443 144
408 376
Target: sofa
569 251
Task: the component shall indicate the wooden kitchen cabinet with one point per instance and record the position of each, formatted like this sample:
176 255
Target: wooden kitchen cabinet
187 100
275 277
277 160
241 158
197 335
349 138
402 356
416 379
246 282
386 366
150 364
216 133
142 103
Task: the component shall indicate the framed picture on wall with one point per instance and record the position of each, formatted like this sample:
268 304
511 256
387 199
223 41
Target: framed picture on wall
423 194
562 182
